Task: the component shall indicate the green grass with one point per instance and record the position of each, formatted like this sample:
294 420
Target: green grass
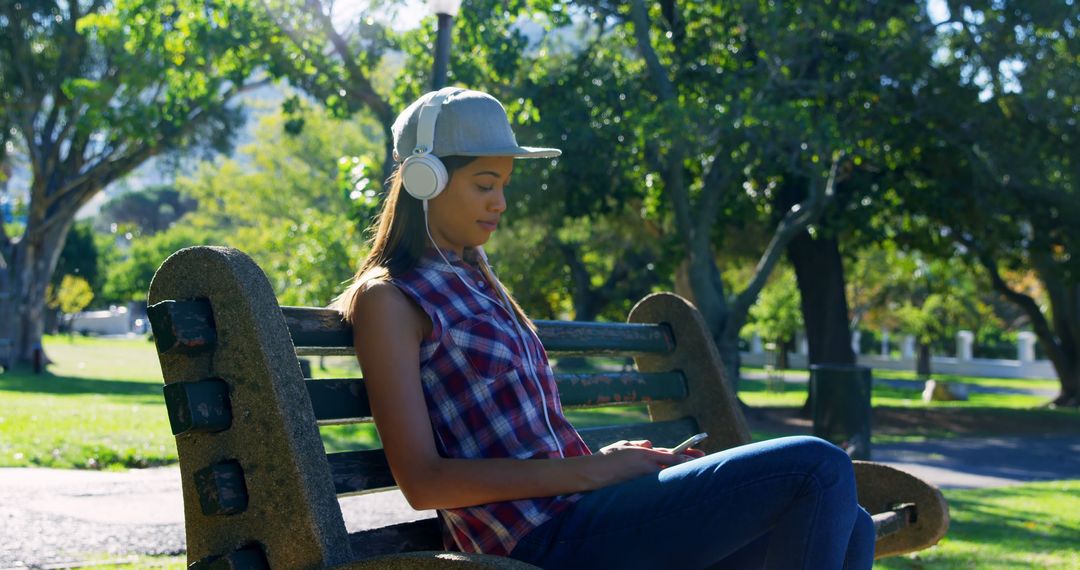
99 406
755 393
125 562
1027 526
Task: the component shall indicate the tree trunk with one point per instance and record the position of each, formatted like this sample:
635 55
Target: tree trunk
782 354
1061 338
34 259
819 272
584 299
922 361
699 281
1065 308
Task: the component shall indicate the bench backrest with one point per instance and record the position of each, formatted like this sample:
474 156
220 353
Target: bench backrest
256 479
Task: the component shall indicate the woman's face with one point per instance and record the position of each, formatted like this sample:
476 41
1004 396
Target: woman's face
468 210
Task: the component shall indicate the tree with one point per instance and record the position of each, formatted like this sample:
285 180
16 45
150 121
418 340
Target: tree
931 297
777 314
73 295
342 70
721 107
997 169
128 279
93 89
148 211
281 200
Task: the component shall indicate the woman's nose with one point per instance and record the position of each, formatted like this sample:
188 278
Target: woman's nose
498 201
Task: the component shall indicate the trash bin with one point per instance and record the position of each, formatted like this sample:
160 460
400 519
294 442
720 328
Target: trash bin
840 402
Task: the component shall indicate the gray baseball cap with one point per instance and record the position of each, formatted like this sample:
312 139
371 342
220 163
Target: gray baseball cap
469 123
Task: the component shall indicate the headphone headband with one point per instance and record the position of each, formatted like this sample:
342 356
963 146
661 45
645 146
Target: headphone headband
423 173
425 128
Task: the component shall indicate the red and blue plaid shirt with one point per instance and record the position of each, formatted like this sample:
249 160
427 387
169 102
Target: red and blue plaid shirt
481 399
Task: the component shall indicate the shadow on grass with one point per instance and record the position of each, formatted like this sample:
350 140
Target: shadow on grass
996 524
971 421
19 380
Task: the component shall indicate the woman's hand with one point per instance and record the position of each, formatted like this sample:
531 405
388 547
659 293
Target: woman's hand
624 460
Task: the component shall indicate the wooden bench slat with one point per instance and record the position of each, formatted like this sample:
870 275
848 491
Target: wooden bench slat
318 332
423 534
339 400
572 337
619 387
358 472
315 327
662 434
344 400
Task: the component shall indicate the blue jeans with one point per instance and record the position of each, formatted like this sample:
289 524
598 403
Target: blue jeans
784 503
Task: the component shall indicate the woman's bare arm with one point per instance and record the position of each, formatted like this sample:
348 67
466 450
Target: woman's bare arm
388 332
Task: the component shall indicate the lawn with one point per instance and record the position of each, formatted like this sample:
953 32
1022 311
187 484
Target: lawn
1027 526
98 406
906 391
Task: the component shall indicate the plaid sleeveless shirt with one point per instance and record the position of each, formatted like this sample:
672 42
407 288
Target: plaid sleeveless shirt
481 398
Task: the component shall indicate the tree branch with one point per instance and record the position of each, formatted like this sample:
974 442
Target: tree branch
579 274
794 221
357 77
1021 300
640 17
715 180
673 168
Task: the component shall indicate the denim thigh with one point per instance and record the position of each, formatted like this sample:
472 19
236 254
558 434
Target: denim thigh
783 503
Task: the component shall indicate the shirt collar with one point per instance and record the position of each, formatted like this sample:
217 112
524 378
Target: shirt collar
470 259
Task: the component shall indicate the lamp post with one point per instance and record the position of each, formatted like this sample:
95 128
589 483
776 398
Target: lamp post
445 10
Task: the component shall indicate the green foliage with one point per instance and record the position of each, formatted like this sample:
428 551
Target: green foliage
591 268
146 211
129 278
73 295
80 257
992 172
283 201
908 291
92 90
777 314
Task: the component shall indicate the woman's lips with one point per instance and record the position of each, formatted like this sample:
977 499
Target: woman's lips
489 226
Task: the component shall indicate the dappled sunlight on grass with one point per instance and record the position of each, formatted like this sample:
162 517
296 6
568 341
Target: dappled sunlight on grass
1027 526
98 406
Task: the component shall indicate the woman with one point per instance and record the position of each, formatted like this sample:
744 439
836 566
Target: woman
469 415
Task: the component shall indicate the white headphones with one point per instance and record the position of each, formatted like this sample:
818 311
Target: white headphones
422 173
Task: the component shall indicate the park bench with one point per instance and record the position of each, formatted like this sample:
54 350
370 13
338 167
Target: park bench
260 491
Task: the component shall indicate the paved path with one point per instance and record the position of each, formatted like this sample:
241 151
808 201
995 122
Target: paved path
51 517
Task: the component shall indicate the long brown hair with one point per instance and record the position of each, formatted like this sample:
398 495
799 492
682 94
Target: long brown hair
399 240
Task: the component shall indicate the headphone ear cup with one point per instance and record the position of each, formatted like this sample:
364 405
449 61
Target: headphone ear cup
424 176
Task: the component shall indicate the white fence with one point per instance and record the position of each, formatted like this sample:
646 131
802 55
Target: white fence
1025 365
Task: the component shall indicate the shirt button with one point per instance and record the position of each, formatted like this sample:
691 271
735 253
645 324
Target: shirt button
480 283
